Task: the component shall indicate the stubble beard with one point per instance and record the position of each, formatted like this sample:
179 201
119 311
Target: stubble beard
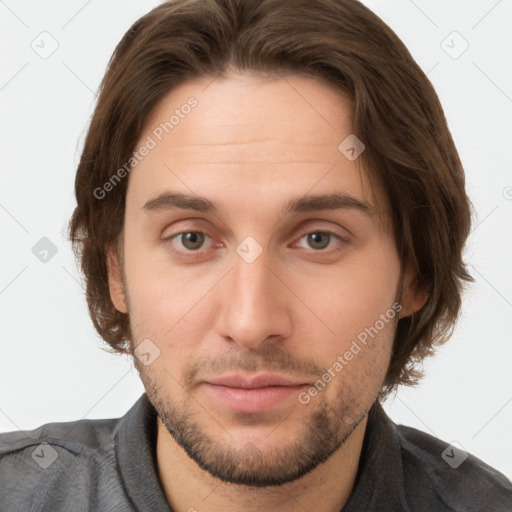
322 433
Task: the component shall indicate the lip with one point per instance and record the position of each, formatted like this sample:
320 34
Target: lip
253 394
259 380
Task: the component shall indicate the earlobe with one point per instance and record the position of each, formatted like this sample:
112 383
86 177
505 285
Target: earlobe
414 297
115 282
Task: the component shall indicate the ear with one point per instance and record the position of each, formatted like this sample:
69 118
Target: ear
115 281
414 297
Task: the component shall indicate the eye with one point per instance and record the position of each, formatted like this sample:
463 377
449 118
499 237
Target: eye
190 240
192 243
319 240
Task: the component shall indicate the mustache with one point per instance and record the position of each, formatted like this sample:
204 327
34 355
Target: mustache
271 358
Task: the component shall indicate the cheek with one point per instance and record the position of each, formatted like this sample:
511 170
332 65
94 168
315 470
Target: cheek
355 303
162 297
352 296
338 304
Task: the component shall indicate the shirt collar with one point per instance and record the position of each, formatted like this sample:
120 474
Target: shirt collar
378 484
135 442
379 481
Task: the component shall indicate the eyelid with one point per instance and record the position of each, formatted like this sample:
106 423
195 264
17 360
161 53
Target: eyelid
320 229
326 251
307 228
191 255
185 252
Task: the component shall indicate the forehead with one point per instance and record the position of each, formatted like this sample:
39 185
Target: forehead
252 138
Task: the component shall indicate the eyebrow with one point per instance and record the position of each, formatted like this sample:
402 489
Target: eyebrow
335 201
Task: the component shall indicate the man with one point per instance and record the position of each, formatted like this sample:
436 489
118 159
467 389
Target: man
270 218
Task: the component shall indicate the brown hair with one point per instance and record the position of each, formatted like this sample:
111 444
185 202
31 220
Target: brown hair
397 115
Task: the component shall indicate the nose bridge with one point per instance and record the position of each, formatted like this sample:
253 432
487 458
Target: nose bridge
251 283
254 307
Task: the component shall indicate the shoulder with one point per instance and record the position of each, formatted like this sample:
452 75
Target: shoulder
78 435
61 460
82 438
457 478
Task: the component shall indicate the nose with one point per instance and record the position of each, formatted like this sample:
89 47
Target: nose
256 304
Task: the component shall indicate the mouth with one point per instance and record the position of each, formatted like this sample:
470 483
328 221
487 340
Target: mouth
253 393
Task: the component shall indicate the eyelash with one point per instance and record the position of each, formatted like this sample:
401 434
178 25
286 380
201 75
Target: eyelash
199 253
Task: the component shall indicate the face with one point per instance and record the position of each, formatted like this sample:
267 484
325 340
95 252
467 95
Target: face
259 273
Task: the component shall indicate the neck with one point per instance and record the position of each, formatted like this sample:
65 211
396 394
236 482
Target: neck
189 488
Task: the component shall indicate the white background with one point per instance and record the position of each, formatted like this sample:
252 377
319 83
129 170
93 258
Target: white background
52 364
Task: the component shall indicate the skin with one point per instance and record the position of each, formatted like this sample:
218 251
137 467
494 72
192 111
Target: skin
250 145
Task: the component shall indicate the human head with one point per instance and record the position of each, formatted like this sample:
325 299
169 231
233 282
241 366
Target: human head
409 151
396 112
229 53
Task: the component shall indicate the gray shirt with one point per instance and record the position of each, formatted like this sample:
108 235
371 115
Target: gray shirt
110 465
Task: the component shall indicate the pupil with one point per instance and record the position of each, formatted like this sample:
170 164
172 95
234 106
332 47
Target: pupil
193 240
315 237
